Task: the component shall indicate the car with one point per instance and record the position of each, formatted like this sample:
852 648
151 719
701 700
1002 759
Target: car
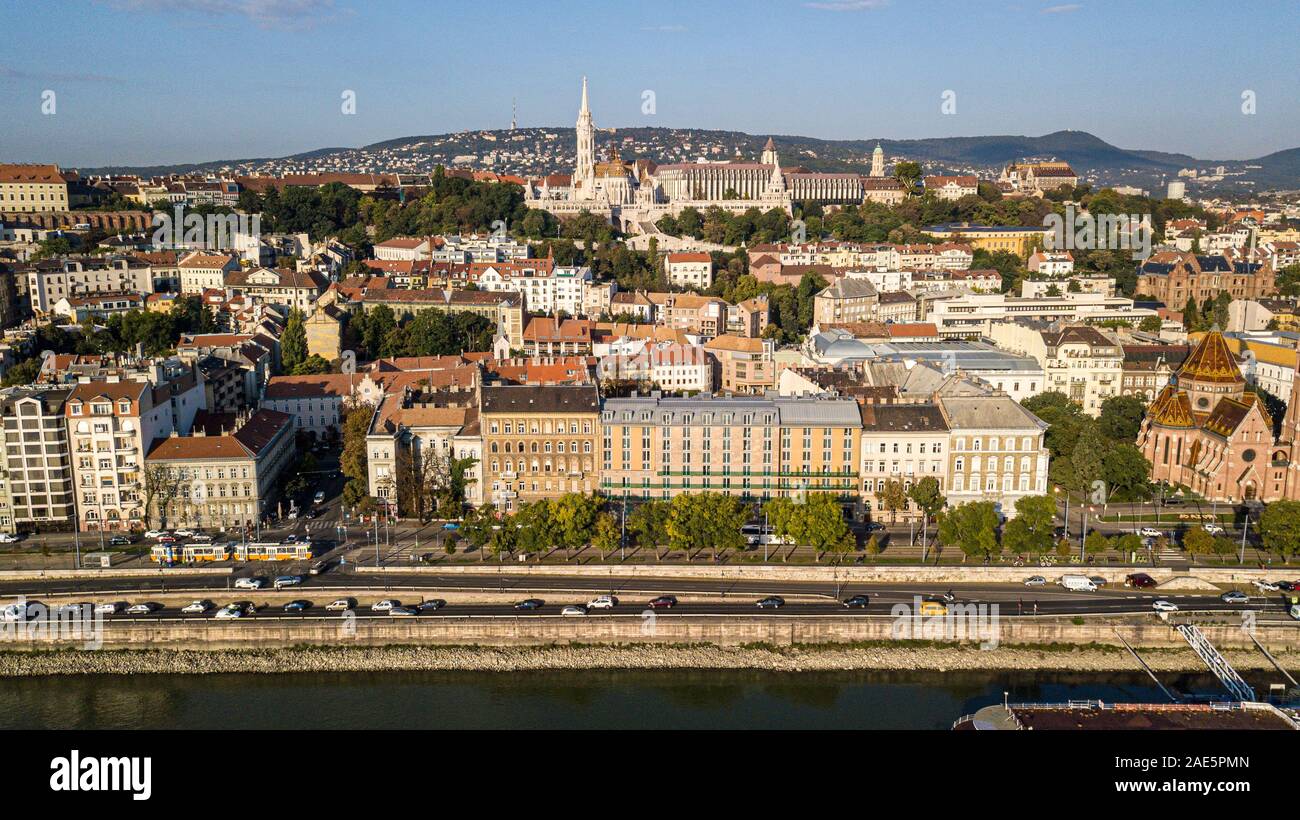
74 610
291 539
1213 529
663 602
229 611
250 582
530 603
385 605
1139 580
602 602
431 605
1234 596
320 567
1097 581
7 538
319 497
340 604
288 581
1164 606
1285 586
875 526
1150 532
451 526
196 607
292 515
402 611
119 541
155 533
1266 586
1035 581
142 609
574 609
856 602
184 533
770 602
110 607
315 513
297 606
1173 501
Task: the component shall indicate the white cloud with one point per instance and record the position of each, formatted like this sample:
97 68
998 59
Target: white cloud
1065 9
264 13
848 5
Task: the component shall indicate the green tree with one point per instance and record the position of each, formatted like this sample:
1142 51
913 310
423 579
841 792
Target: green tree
1197 541
972 527
1096 543
606 535
293 342
649 524
1279 528
1121 418
893 497
1032 529
927 495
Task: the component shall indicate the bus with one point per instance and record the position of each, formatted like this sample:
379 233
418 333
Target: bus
271 551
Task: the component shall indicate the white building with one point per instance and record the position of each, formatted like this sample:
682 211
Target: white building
1080 361
689 270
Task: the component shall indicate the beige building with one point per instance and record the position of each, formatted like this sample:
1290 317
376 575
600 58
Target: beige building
429 429
752 447
689 270
201 271
903 443
219 480
36 485
1084 363
278 287
848 300
539 441
996 451
32 189
744 365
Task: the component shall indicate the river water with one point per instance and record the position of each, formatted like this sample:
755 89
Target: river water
679 699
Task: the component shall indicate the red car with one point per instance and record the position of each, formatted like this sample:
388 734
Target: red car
1140 580
663 602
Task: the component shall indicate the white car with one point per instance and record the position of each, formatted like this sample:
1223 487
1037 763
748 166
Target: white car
319 497
229 611
1035 581
250 583
603 602
1213 529
574 609
196 607
385 605
155 533
1164 606
111 608
6 538
1150 532
1266 586
341 605
141 609
184 533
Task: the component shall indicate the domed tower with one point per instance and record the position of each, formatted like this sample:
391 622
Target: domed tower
878 161
1210 374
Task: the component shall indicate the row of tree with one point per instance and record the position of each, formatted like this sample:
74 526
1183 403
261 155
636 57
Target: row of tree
1095 456
380 332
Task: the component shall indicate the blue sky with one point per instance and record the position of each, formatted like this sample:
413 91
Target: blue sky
163 81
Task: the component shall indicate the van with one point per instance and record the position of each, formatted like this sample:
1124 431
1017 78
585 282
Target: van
1078 583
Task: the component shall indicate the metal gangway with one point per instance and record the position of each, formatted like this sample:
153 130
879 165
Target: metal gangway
1218 665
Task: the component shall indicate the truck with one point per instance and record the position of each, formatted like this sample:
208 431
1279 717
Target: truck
1078 583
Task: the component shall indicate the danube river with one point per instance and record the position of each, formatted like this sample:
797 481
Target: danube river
683 699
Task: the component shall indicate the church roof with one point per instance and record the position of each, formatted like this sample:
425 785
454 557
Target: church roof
1171 409
1211 361
1228 415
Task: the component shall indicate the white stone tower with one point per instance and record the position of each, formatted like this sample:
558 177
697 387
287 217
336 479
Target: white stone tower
585 172
769 153
878 161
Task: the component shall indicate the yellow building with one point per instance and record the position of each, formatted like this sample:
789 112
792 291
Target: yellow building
32 189
539 441
991 238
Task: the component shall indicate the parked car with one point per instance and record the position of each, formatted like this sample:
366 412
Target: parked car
530 603
1173 501
1078 583
297 606
120 541
8 538
1234 596
155 533
1150 532
1164 606
1139 580
451 526
663 602
602 602
196 607
319 497
431 605
1035 581
770 602
184 533
1097 580
110 608
341 604
385 605
250 582
1213 529
321 567
285 581
856 602
875 526
143 609
1286 586
1266 586
574 609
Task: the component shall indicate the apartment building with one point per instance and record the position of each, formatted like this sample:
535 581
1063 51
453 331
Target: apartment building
32 189
504 309
1174 277
316 403
673 368
48 281
996 451
952 187
1078 360
279 287
201 271
539 441
689 270
36 486
757 447
972 315
426 428
744 365
902 443
215 479
847 300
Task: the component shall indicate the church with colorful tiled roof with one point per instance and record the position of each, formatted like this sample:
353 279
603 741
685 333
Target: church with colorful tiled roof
1206 432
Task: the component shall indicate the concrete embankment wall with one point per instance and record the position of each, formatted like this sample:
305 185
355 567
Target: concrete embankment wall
955 574
99 574
273 632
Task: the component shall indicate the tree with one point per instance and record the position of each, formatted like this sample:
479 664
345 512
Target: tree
1127 473
927 495
1197 541
649 524
1032 529
1121 418
972 527
824 528
293 342
606 536
1151 324
708 520
162 483
25 372
573 520
1128 544
893 497
908 173
1279 528
1096 543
